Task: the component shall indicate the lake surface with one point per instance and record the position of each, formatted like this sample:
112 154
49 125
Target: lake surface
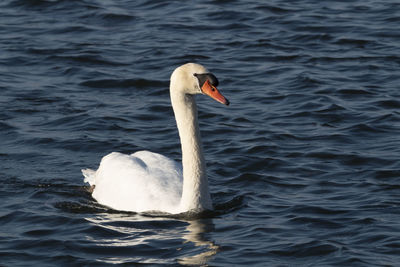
303 166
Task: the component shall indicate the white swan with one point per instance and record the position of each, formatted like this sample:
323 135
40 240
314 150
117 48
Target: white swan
146 181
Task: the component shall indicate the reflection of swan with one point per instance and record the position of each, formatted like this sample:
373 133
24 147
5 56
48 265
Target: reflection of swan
146 181
195 234
135 239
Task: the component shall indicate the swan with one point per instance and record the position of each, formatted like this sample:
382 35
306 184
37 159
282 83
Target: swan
150 182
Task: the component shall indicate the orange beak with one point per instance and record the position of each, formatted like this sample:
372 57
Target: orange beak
213 92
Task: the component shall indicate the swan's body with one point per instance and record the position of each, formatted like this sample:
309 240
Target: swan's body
146 181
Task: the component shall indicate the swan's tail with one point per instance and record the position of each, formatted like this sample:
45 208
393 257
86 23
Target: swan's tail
90 176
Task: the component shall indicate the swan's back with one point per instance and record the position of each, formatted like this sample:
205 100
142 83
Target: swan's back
143 181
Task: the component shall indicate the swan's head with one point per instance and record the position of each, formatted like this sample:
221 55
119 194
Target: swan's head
194 79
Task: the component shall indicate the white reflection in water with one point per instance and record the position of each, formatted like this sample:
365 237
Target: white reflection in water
136 230
195 233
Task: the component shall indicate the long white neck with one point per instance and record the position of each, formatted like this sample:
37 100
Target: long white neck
195 192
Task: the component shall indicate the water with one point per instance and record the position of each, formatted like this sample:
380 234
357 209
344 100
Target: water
304 166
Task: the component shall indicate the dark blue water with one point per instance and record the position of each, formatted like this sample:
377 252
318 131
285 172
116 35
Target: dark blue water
304 166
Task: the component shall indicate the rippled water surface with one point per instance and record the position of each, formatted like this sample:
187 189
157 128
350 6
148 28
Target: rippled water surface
304 166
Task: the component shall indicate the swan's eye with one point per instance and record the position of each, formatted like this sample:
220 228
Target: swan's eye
203 77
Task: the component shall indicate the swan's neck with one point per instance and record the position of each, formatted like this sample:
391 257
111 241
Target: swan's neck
195 192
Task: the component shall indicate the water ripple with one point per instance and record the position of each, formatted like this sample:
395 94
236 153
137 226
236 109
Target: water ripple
303 165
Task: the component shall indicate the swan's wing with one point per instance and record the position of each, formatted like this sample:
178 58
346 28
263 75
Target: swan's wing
164 175
159 165
139 182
